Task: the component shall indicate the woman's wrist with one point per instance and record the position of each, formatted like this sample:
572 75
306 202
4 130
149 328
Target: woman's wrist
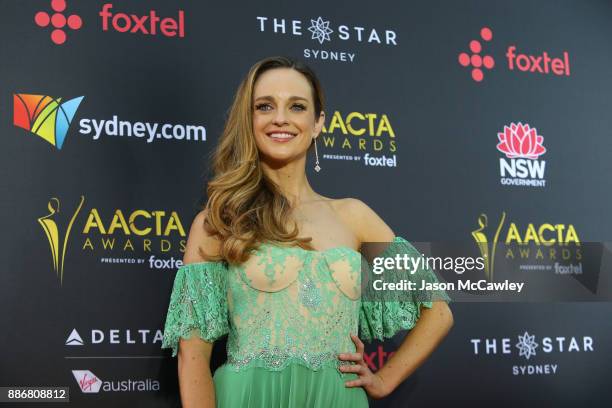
386 383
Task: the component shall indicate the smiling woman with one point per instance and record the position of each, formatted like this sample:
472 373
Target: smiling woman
277 267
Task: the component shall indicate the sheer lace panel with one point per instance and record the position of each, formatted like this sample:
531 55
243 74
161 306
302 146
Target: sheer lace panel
284 305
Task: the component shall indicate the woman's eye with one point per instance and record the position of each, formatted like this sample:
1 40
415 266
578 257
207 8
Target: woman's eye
261 106
266 107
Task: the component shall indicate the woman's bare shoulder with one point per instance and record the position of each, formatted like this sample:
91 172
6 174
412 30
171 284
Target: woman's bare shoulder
201 245
367 224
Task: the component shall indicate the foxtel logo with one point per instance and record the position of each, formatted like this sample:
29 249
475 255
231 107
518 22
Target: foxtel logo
148 24
478 62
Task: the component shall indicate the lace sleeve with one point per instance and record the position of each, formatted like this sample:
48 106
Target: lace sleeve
381 315
198 304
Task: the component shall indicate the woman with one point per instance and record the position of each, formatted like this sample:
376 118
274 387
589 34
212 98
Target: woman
276 265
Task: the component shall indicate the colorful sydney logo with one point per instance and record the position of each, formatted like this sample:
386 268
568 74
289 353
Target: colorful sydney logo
45 116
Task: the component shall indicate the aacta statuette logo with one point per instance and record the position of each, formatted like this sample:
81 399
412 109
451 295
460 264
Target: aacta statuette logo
57 245
487 246
541 64
522 146
44 116
58 20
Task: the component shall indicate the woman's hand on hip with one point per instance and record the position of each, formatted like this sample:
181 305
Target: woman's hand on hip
371 382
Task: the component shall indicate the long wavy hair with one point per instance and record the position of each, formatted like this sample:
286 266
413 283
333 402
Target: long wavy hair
245 207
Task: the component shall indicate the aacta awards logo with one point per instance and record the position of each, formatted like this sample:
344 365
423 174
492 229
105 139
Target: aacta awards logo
58 240
542 64
150 24
136 237
534 247
367 138
541 354
522 146
45 116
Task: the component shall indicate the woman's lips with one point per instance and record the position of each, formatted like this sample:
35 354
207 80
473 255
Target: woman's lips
281 136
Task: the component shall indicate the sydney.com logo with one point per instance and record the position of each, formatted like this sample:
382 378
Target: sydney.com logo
50 118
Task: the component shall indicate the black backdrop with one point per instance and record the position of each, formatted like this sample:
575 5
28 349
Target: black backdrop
409 99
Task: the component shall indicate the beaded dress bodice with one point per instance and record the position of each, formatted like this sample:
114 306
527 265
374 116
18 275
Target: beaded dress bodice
283 305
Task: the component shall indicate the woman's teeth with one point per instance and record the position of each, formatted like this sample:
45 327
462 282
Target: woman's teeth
281 135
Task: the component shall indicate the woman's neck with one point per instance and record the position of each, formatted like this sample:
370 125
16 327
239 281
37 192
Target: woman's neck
292 181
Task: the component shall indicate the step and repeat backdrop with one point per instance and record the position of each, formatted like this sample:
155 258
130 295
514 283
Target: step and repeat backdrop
452 119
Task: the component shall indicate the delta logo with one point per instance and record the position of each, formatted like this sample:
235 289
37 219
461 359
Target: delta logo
367 138
89 383
522 146
46 117
543 64
148 24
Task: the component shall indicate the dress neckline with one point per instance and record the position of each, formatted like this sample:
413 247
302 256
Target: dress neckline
315 251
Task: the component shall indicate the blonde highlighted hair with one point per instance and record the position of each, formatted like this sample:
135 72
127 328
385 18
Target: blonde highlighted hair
244 206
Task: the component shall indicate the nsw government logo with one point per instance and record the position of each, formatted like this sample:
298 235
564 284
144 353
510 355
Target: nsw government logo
522 146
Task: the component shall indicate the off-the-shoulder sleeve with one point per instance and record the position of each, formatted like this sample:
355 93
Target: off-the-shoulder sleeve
384 314
198 304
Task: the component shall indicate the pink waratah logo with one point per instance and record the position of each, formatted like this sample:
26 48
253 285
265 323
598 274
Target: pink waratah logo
58 21
520 140
475 60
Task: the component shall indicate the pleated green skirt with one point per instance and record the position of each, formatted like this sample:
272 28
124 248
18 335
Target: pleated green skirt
295 386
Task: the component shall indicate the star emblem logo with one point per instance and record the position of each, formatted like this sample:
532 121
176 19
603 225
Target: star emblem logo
526 345
320 30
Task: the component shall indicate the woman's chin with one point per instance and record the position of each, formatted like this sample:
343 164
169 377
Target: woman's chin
278 160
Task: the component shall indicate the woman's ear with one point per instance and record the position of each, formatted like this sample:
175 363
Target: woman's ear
319 125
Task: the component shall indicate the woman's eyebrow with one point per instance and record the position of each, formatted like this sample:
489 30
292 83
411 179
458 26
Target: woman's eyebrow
292 98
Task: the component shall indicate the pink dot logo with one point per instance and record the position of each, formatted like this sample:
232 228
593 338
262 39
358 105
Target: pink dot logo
475 60
58 20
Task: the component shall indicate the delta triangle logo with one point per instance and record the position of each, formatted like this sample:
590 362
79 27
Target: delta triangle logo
45 116
74 339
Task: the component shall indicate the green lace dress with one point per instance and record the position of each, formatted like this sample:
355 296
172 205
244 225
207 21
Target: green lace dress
288 312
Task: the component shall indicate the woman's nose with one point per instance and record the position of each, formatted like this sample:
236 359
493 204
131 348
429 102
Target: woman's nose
280 117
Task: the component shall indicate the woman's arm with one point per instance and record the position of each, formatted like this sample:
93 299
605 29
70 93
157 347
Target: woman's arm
195 379
432 326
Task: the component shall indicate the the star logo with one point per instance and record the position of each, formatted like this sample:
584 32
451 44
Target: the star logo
526 345
320 30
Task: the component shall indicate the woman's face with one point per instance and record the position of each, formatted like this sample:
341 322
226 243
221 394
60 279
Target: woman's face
283 115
